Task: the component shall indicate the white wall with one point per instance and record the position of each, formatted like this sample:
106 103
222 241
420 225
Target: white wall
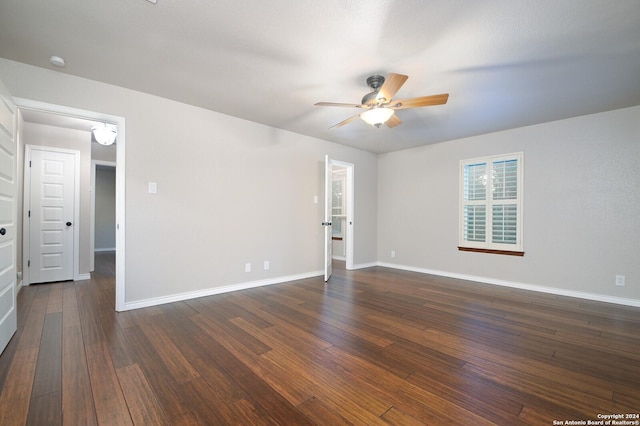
581 206
105 209
229 191
104 152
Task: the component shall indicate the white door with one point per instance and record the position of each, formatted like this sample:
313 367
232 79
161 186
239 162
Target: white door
8 317
51 214
328 199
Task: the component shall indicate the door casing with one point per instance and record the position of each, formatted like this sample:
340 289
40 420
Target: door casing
119 122
349 249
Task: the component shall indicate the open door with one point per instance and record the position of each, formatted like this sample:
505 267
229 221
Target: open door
328 232
8 228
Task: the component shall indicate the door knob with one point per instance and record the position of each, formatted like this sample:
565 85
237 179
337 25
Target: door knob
68 223
3 231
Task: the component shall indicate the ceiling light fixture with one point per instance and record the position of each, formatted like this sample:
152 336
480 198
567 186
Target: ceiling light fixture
377 116
105 134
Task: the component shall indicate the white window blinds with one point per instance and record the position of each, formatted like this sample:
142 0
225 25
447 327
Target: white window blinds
491 203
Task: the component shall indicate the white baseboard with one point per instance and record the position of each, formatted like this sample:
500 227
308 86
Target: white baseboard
82 277
217 290
522 286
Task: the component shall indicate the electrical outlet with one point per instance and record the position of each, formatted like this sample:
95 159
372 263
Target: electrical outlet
393 253
620 280
266 265
247 267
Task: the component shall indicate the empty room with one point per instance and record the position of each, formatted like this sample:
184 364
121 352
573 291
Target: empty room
320 212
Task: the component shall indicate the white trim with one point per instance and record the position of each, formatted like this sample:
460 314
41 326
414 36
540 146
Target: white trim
522 286
92 234
218 290
26 203
105 249
120 178
82 277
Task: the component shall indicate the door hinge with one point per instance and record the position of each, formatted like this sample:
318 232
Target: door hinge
28 264
29 163
29 214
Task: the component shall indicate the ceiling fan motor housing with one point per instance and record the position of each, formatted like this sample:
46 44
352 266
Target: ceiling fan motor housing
374 82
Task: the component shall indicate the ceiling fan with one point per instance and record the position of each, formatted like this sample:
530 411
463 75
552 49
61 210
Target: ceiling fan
379 104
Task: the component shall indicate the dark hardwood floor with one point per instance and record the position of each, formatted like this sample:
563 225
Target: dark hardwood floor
374 346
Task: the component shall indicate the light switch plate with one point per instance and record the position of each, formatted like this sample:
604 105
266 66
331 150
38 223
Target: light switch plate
153 187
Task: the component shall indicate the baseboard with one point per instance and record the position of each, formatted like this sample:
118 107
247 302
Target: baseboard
217 290
522 286
82 277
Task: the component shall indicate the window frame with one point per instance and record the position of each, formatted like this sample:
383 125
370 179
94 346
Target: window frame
488 246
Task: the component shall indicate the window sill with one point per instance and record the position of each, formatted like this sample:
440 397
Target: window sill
480 250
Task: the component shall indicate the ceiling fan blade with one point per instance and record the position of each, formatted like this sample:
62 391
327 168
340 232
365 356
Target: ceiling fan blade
394 121
390 87
337 104
420 102
343 122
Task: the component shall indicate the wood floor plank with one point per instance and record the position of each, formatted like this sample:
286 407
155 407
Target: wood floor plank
70 314
46 410
78 406
56 294
141 401
108 398
265 396
321 414
396 417
47 383
16 392
177 365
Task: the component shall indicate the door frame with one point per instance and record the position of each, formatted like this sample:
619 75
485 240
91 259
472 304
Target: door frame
119 122
92 237
26 202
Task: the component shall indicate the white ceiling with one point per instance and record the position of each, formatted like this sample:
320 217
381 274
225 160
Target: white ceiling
504 63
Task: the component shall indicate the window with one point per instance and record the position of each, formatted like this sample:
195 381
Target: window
491 204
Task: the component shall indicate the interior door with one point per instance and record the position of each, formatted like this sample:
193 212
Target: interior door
328 180
51 214
8 317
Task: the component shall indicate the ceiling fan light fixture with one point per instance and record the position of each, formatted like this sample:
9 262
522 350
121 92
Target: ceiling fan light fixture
104 135
377 116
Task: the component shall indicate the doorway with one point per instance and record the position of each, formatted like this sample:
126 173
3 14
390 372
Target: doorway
339 213
51 219
103 208
65 113
343 202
